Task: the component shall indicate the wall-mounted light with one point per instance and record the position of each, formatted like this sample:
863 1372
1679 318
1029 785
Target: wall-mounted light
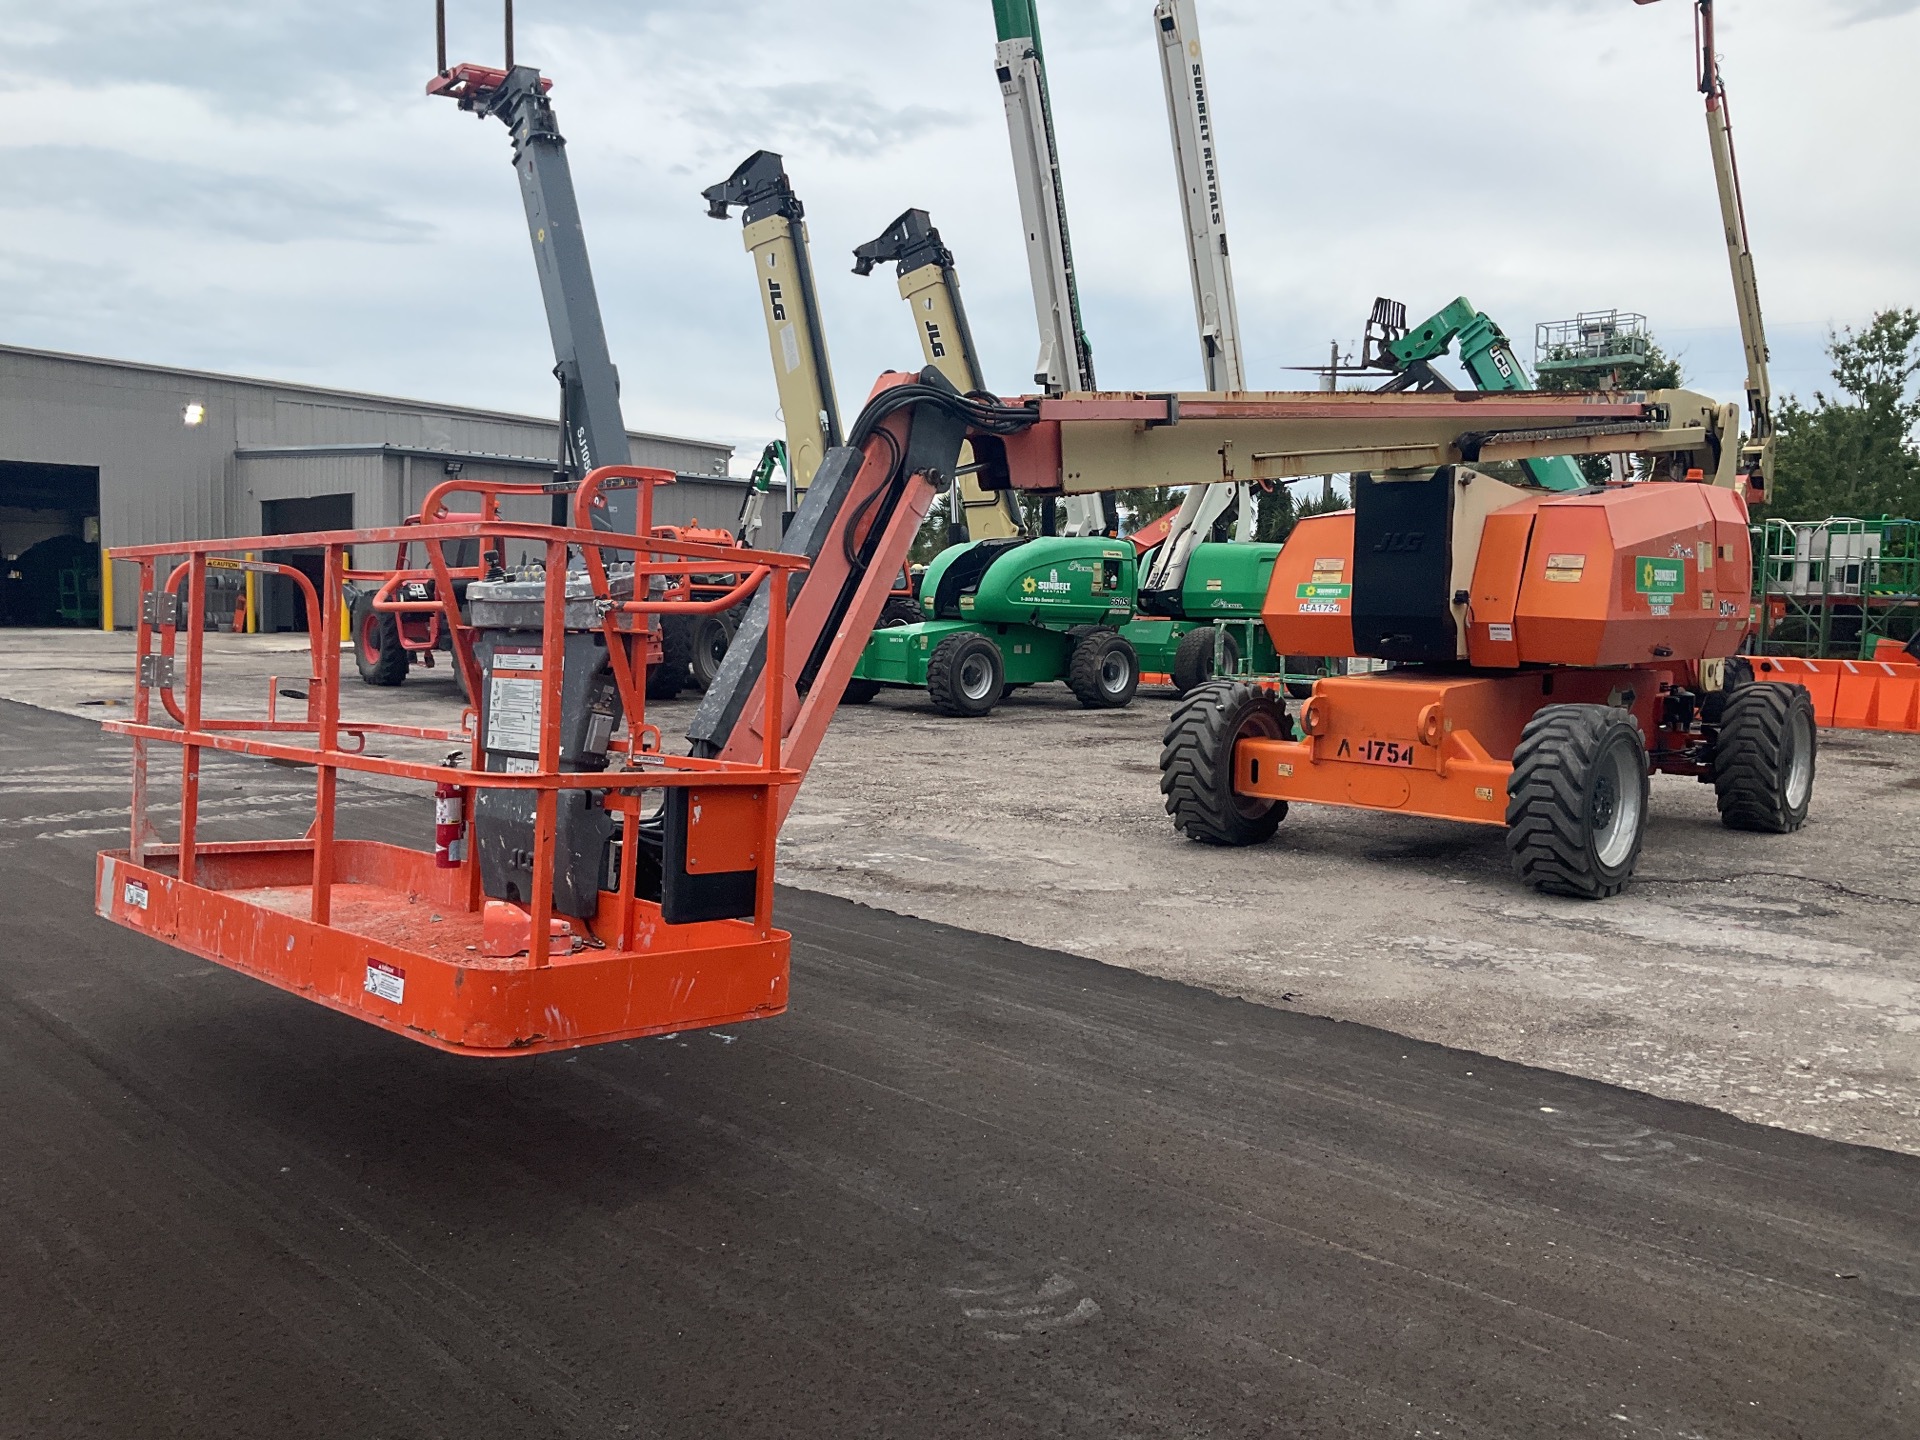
193 414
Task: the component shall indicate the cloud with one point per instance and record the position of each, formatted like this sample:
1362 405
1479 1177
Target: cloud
826 115
261 184
1859 11
118 187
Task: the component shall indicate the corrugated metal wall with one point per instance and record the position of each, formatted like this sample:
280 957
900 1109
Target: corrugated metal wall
161 479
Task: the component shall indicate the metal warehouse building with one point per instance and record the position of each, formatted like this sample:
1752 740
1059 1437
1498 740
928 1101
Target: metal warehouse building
110 452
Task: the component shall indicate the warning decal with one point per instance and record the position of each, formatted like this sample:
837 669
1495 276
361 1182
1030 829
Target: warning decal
386 982
513 713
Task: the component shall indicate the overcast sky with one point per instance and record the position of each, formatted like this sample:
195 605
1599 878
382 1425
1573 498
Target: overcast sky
263 187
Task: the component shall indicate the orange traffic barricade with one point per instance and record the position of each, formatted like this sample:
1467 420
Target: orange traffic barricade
1878 694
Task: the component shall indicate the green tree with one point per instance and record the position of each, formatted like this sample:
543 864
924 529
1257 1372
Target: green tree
1856 455
1276 511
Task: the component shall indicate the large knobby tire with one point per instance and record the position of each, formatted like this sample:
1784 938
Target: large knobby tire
1193 662
1196 762
1577 800
377 651
672 675
709 636
965 675
860 692
1713 705
1763 760
1104 671
899 610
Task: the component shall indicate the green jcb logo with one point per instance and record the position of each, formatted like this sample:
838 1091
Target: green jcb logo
1659 577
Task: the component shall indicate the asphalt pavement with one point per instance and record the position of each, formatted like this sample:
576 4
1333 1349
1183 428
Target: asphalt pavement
965 1187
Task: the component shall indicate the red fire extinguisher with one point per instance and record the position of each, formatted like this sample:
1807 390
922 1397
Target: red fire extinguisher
449 825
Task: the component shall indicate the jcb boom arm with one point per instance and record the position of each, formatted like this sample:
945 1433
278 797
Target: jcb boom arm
773 226
1489 357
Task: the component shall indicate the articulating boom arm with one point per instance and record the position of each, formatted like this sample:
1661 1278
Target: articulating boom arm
856 527
595 434
1758 457
1756 461
931 288
774 229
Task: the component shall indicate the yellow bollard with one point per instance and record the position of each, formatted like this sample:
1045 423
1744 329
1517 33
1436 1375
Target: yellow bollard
253 599
106 590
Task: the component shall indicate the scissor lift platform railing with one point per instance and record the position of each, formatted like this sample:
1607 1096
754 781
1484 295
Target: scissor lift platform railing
393 935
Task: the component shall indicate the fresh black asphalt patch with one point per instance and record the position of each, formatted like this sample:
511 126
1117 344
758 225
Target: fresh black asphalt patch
964 1188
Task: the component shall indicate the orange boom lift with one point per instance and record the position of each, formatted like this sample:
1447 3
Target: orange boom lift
586 885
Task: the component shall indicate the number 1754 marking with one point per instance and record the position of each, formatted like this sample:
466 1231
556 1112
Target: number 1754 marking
1376 752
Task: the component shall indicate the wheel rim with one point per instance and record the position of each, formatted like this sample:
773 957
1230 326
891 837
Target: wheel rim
1614 807
1258 725
716 651
1800 760
370 638
976 676
1114 672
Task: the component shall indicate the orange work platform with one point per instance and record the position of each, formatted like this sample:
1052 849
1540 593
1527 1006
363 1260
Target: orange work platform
1880 694
401 937
402 950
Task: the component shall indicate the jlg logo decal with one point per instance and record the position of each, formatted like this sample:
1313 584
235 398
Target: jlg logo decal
776 300
936 346
1400 542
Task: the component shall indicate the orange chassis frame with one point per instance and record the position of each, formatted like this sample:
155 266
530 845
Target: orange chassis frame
377 930
1428 743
